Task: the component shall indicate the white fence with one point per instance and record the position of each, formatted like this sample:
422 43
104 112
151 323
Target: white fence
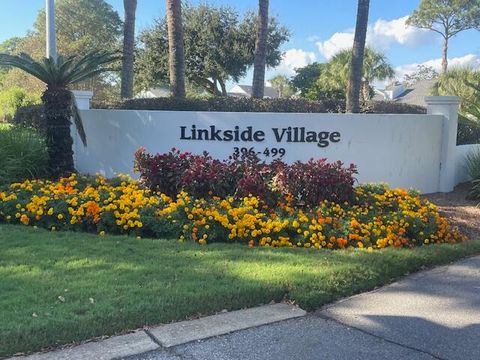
412 151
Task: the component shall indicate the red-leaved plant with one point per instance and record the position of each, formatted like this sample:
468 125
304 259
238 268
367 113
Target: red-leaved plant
203 176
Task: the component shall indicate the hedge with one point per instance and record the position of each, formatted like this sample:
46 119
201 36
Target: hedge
32 116
226 104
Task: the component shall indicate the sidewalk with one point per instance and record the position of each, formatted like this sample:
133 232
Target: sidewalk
430 315
433 314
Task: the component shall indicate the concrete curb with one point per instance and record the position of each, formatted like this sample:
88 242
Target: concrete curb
173 334
220 324
114 347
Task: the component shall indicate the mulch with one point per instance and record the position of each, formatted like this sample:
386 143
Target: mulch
461 212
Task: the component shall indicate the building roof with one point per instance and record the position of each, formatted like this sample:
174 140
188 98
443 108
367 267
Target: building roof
247 90
159 92
413 95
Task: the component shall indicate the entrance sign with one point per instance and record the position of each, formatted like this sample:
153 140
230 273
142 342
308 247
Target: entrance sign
257 137
402 150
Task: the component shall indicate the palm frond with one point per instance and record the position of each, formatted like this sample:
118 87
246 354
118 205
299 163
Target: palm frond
77 119
63 72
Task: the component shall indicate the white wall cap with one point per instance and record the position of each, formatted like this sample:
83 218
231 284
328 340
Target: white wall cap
442 100
83 93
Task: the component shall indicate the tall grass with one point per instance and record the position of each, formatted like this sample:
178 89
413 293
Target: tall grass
23 154
472 163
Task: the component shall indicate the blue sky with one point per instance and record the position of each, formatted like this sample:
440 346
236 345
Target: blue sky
319 28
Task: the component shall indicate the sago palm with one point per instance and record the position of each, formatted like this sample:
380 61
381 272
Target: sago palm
59 101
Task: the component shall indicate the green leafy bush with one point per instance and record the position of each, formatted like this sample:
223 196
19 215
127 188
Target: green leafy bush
31 117
23 155
12 99
233 104
226 104
468 131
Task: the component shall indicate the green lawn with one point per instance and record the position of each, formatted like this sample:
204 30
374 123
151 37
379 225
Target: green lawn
57 288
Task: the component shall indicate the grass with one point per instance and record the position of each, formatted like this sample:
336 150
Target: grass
23 154
59 287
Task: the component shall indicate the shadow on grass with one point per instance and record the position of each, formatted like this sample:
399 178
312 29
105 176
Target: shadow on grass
59 288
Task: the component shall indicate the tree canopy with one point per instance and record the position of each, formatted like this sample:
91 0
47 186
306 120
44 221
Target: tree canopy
333 79
423 72
465 83
447 18
305 77
282 85
82 26
219 46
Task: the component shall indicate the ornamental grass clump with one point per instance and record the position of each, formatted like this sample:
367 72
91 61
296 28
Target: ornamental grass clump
23 154
375 217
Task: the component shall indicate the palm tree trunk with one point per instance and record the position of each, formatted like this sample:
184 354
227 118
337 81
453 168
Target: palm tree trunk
176 48
258 86
356 68
445 55
128 48
58 113
365 90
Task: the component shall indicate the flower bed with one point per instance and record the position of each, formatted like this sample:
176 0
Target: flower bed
375 216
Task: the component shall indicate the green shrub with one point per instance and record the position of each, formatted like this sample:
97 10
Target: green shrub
32 117
226 104
233 104
23 155
12 99
468 131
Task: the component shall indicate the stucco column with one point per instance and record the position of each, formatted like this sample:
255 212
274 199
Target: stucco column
83 99
448 107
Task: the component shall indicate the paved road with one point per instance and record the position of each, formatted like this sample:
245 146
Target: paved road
429 315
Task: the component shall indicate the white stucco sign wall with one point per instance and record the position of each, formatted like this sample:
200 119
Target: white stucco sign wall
412 151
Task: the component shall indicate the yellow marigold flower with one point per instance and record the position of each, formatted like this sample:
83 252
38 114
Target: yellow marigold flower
24 219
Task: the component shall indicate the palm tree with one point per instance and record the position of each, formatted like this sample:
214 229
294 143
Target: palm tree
130 7
58 74
463 82
176 48
375 67
355 76
258 86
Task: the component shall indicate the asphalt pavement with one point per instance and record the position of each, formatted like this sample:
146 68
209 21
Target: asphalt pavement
433 314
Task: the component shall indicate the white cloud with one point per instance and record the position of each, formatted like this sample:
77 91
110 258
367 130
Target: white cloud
466 60
295 58
338 41
313 38
381 35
